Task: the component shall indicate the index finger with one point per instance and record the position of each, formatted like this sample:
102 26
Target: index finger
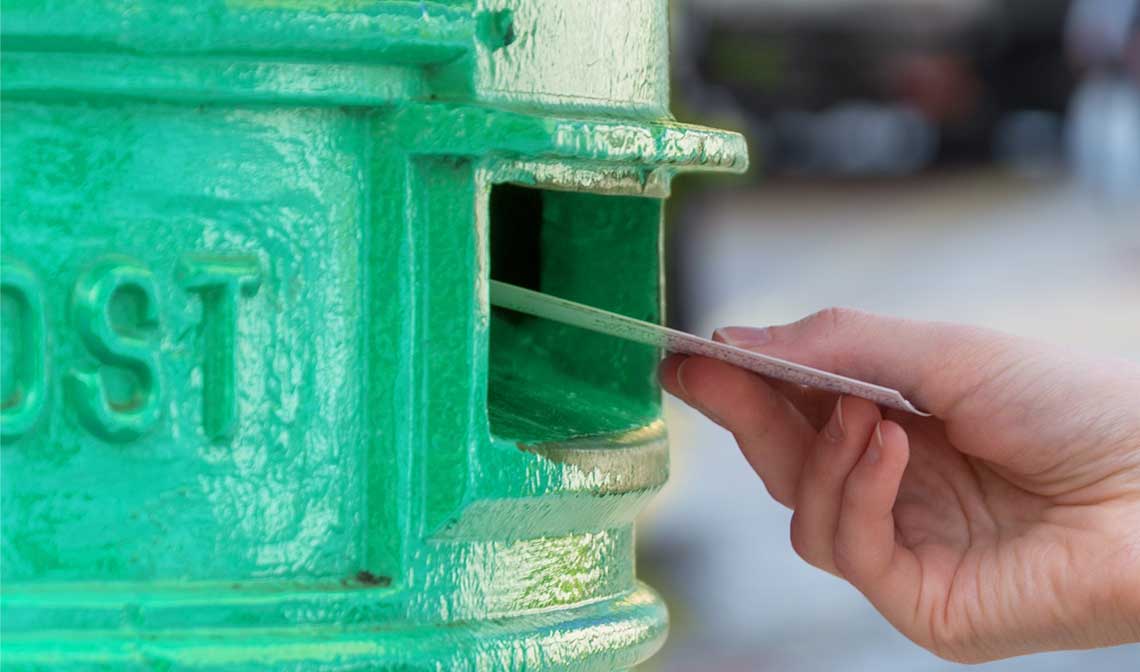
771 431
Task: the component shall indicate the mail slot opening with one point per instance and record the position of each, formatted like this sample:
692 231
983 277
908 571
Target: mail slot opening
548 381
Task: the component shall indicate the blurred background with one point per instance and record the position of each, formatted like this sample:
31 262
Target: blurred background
966 160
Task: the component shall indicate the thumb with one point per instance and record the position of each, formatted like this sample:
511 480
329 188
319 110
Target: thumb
933 364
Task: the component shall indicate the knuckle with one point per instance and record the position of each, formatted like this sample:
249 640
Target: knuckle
810 550
833 320
842 557
799 538
957 644
951 636
780 492
836 317
848 555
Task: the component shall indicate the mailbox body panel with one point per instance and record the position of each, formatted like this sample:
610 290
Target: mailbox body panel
257 411
96 191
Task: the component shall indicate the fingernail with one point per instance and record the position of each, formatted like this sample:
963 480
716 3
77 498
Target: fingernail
681 379
744 337
835 426
876 448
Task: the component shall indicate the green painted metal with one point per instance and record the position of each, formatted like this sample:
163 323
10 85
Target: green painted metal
257 413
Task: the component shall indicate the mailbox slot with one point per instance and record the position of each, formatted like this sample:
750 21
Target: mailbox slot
550 382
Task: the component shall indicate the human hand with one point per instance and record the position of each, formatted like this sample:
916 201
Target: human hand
1009 523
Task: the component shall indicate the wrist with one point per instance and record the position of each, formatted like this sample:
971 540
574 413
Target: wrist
1121 612
1131 598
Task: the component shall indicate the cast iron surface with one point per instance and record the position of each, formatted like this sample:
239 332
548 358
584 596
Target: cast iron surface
247 346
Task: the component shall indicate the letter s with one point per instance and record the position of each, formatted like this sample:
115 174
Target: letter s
123 346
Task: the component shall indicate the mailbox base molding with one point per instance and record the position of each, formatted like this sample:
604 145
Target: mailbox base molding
608 634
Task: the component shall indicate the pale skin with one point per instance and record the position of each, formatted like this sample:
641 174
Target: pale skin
1009 523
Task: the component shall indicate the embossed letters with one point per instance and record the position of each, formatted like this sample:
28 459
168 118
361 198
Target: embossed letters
219 280
26 330
115 312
